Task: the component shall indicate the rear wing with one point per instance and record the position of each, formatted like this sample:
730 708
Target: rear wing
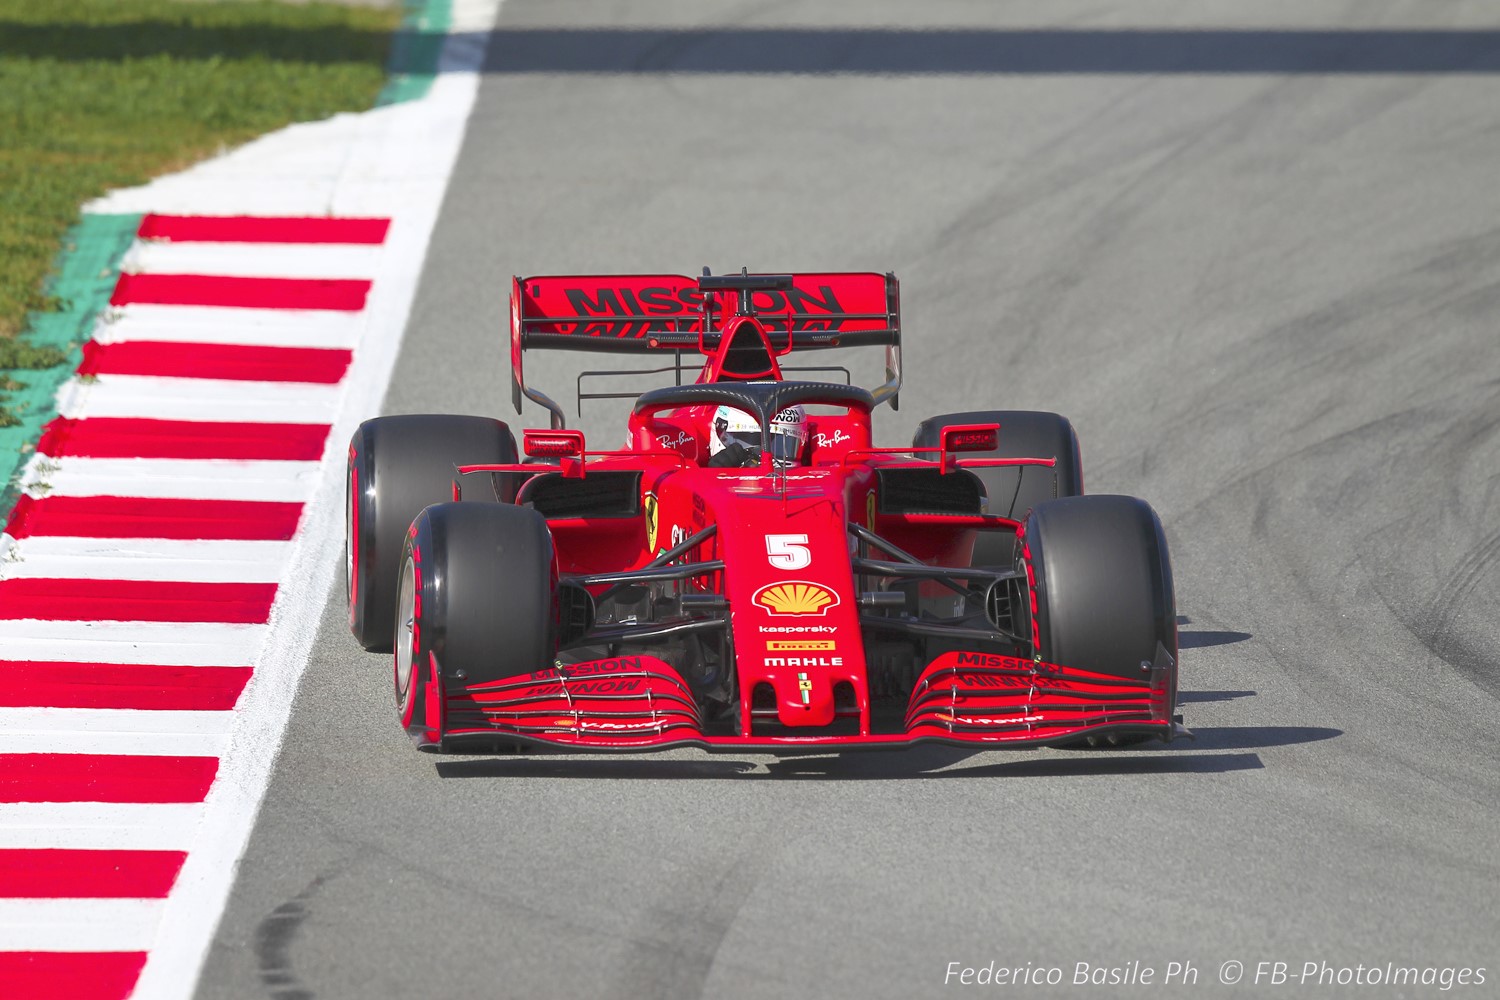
645 313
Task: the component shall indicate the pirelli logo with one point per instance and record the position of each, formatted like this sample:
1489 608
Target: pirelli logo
799 646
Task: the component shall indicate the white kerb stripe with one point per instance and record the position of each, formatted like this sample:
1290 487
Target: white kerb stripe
79 924
185 560
114 720
254 260
114 744
99 826
174 478
226 325
155 397
171 644
113 731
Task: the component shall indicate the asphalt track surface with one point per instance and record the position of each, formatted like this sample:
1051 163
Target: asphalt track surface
1267 298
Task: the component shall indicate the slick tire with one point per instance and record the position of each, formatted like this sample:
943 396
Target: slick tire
476 602
1015 490
1101 579
397 466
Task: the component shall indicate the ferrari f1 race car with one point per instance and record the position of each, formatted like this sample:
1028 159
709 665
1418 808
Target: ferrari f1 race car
750 572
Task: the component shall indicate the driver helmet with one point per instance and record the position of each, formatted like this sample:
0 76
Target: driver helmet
788 435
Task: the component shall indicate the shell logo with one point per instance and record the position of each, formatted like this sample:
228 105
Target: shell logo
796 597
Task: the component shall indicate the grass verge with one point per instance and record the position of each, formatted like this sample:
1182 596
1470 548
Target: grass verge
100 94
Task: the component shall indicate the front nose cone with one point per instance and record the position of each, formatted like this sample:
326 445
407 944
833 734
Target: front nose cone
803 698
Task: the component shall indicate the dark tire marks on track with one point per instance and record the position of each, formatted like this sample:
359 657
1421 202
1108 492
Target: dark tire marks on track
274 937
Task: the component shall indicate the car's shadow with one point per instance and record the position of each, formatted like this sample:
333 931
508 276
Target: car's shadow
920 762
1259 737
847 767
1198 697
1210 637
1085 764
1206 638
1185 757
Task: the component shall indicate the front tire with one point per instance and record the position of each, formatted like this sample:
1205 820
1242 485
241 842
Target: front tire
397 466
477 593
1101 578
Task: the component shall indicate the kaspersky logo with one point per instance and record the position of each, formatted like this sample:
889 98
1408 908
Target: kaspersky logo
796 597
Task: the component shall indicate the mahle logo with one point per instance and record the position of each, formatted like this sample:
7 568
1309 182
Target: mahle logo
796 597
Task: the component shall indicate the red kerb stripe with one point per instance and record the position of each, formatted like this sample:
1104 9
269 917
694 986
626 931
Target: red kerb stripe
129 437
78 600
338 294
64 874
227 361
251 229
138 517
86 777
71 975
34 684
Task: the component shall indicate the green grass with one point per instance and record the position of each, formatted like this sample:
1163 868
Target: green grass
100 94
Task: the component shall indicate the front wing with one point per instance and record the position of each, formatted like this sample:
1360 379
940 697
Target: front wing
640 704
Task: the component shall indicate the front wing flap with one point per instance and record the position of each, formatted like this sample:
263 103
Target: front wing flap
640 704
625 702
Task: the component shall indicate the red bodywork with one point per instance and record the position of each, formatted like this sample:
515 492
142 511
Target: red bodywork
780 558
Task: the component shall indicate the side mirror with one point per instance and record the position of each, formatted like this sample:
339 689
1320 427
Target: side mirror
564 445
971 437
552 444
967 437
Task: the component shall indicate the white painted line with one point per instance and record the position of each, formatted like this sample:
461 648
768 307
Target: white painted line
156 398
171 644
79 924
190 561
99 826
224 325
253 260
178 478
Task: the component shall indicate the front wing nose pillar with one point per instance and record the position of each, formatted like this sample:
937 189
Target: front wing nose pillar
803 697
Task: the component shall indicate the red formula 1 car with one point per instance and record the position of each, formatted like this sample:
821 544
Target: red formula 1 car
751 572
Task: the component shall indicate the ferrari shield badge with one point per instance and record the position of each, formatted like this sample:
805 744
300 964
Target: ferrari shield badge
650 505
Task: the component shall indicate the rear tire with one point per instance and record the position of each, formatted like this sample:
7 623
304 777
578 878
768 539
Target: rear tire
397 466
477 591
1101 577
1015 490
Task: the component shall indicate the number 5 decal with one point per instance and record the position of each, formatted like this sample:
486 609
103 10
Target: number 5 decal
788 551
